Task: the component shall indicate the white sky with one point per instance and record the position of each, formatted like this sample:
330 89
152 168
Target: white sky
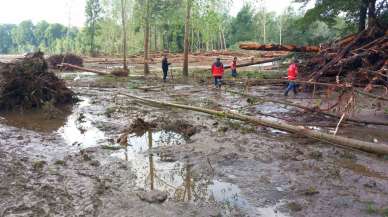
56 11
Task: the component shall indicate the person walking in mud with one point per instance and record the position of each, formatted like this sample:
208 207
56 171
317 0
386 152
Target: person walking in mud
217 72
165 65
292 75
233 67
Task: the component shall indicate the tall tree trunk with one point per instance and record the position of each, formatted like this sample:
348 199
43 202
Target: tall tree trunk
156 38
363 12
372 13
93 29
186 47
223 39
124 19
265 28
146 36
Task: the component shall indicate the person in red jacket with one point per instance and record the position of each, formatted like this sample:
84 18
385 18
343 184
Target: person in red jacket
292 75
217 72
233 67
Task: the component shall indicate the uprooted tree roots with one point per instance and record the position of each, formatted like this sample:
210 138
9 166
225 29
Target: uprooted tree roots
55 61
359 59
27 84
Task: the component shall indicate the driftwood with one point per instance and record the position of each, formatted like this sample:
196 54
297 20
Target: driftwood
119 72
277 47
66 65
300 130
261 62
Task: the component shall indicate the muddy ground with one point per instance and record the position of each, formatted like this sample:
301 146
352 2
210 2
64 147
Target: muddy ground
70 163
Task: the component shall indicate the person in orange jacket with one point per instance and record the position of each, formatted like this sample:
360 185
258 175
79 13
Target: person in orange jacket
292 75
217 72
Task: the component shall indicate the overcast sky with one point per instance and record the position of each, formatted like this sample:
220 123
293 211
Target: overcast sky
56 11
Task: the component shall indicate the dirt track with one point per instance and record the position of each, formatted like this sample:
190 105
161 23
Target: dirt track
66 165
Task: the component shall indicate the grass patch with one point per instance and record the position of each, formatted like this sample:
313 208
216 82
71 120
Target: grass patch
109 111
294 206
111 78
111 147
60 162
38 165
371 208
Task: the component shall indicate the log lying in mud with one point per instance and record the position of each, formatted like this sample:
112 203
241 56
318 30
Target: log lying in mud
67 65
278 47
118 72
300 130
261 61
314 110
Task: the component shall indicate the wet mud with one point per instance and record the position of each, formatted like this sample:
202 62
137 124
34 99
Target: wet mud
101 156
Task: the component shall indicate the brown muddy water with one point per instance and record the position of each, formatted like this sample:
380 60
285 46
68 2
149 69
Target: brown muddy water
69 163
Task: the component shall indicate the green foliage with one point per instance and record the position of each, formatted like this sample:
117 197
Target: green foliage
93 11
23 36
6 42
242 26
211 27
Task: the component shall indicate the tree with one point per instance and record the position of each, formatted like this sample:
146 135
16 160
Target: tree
40 34
53 33
146 35
186 42
24 37
6 43
124 20
243 26
356 11
93 13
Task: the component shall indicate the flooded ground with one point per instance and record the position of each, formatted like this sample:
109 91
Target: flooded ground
71 162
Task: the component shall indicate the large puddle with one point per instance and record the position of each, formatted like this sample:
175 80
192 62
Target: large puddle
153 171
161 172
74 126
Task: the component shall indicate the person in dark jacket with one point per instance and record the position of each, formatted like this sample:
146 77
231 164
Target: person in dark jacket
165 65
217 72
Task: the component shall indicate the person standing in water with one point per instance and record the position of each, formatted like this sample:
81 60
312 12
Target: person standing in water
292 75
233 67
165 65
217 72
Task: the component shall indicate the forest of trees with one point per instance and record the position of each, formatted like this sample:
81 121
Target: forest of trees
162 22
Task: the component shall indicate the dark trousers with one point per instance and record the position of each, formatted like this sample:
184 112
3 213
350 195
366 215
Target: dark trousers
291 86
234 73
217 81
165 73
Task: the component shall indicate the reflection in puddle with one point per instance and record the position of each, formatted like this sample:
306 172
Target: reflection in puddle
151 171
45 121
79 129
179 180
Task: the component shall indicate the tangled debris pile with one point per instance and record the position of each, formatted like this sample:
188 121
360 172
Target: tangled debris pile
359 59
58 59
28 84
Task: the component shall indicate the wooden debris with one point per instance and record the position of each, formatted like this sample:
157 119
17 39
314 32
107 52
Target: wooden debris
278 47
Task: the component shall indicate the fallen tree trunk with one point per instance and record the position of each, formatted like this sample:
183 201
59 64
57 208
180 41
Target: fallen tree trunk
83 69
300 130
278 47
261 62
119 72
314 109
